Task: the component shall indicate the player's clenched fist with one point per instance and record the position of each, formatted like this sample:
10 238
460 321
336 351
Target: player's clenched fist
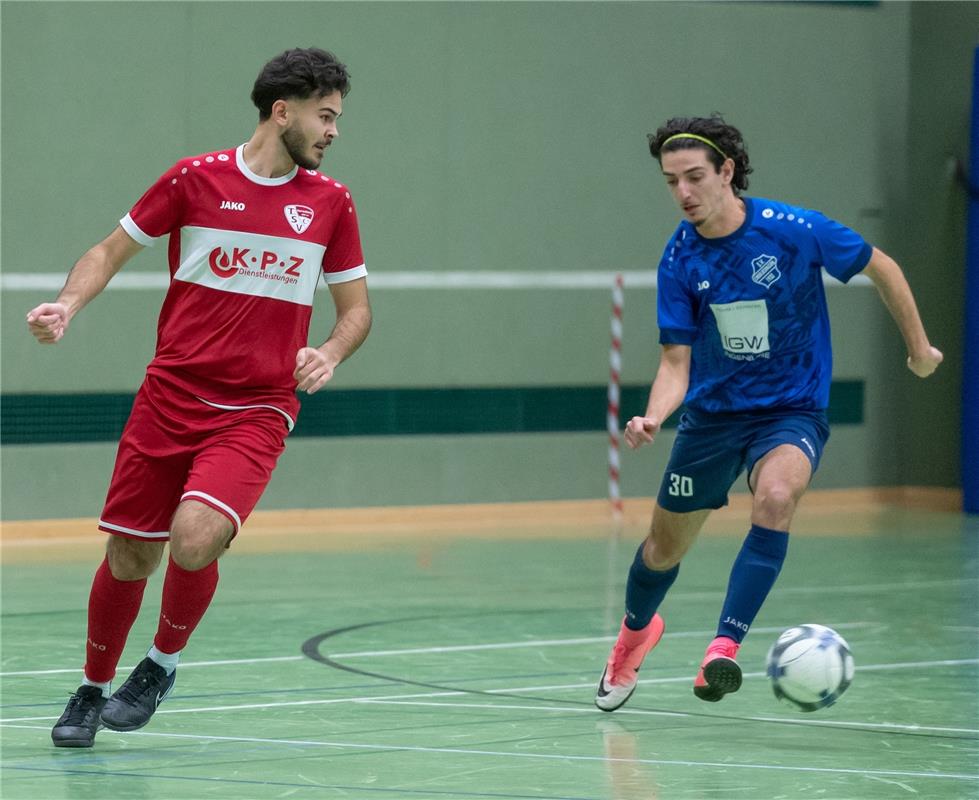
48 322
313 370
640 431
926 363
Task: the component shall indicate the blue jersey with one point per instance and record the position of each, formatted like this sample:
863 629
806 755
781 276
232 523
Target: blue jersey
752 307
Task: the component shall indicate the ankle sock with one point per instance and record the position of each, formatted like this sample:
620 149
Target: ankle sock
166 660
106 688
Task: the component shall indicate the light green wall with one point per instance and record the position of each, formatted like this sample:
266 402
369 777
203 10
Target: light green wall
479 136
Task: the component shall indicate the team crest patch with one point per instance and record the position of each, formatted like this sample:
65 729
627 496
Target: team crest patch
765 271
298 217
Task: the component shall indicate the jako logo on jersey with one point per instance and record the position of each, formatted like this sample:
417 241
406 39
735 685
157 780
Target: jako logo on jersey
703 286
231 205
266 264
765 270
298 217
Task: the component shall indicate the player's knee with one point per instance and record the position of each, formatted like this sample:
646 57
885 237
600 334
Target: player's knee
776 500
196 539
663 552
192 559
195 548
194 553
132 560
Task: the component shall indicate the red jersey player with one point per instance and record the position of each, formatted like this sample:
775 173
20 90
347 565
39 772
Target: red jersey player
251 229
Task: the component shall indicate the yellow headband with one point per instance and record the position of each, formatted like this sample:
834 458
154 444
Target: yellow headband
703 139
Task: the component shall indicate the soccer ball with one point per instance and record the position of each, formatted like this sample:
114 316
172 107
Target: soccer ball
810 666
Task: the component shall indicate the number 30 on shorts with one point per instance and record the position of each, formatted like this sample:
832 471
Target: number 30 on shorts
680 485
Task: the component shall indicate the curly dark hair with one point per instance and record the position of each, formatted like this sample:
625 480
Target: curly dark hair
299 73
726 137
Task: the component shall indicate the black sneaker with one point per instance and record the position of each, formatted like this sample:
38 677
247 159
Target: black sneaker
80 722
133 703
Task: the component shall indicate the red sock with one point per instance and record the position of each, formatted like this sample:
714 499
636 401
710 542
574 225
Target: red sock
112 609
186 596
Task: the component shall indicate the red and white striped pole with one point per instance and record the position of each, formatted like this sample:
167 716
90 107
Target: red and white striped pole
615 370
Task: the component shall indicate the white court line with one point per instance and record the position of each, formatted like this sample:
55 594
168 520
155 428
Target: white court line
558 642
182 666
381 748
406 279
684 678
437 649
461 693
642 712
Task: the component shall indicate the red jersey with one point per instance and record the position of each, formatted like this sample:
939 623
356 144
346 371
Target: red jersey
245 255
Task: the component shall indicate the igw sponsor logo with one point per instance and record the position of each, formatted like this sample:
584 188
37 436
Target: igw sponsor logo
250 263
745 344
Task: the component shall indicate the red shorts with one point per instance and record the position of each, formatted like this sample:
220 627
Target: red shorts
177 447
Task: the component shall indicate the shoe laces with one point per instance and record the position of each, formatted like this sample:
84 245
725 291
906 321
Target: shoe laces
616 662
78 708
142 681
722 646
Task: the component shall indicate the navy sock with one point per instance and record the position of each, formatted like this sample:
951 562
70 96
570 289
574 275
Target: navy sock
644 591
752 577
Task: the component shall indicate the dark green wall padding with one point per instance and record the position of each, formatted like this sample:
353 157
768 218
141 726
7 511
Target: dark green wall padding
58 418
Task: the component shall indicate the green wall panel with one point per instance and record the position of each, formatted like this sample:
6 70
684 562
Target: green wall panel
52 418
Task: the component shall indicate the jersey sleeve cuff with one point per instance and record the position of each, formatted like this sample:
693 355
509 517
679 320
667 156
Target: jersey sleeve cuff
346 275
130 227
676 336
858 265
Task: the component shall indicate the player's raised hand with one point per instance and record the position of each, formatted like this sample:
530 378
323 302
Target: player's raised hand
640 431
313 370
925 364
48 322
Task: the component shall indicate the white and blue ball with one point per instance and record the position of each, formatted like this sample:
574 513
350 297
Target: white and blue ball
810 666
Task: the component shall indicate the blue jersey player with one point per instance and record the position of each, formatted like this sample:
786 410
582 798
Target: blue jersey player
745 342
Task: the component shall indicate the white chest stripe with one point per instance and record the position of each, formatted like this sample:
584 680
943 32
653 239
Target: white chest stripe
249 263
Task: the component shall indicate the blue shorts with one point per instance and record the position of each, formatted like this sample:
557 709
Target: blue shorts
712 450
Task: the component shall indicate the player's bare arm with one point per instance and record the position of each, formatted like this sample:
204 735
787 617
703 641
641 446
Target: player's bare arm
923 358
669 389
315 365
90 275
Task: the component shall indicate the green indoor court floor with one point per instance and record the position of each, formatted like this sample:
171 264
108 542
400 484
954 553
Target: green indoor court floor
456 665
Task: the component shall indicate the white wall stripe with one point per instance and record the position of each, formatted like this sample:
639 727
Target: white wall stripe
576 280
